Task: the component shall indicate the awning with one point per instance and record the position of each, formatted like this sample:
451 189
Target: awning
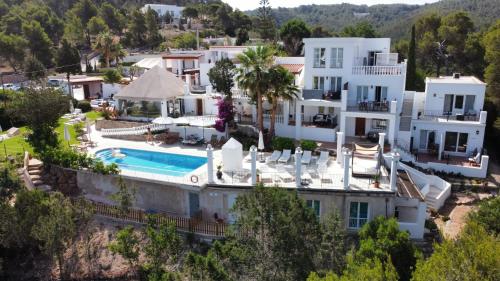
156 84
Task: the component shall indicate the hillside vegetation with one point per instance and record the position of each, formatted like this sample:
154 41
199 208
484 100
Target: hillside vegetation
390 20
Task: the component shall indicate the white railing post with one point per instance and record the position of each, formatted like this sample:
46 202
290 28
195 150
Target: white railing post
298 167
253 155
210 163
394 170
340 143
347 163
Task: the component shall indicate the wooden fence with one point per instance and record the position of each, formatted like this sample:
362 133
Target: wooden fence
194 224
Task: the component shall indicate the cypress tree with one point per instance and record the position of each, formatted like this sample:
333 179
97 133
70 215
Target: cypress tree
411 68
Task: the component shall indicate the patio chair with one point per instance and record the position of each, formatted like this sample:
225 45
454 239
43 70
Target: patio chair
306 157
476 160
287 153
274 157
221 142
323 158
284 175
213 140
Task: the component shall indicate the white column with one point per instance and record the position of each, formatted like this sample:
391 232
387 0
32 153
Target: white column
340 143
394 170
186 89
381 141
441 146
394 107
482 117
286 112
298 121
164 110
298 167
254 113
347 164
179 67
392 130
188 80
253 155
342 122
196 64
210 163
343 100
208 89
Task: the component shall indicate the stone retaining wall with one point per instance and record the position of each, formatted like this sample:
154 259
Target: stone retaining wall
61 179
112 124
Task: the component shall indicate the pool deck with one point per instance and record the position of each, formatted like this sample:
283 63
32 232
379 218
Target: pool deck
270 174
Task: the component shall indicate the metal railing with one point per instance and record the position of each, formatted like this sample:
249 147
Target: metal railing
140 130
446 115
377 70
379 106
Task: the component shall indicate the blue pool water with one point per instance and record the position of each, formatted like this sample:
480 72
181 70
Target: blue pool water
152 162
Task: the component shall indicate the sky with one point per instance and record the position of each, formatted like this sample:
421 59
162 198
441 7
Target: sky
253 4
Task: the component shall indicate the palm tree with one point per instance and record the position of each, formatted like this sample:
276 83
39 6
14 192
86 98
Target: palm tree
282 87
253 75
105 45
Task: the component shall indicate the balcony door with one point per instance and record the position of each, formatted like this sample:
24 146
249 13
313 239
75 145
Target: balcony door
360 127
372 58
380 93
448 103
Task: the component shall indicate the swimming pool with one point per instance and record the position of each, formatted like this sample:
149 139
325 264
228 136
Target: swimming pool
151 162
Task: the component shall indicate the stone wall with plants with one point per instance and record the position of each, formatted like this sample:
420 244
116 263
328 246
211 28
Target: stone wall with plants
112 124
61 179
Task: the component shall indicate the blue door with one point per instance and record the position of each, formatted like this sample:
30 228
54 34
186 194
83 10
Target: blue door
194 204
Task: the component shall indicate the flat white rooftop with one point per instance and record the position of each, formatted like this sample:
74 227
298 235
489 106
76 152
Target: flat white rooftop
451 80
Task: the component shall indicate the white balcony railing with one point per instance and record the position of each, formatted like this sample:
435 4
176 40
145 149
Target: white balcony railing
377 70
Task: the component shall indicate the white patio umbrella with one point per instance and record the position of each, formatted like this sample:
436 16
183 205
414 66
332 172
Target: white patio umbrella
202 123
67 136
71 107
89 129
182 121
163 121
261 146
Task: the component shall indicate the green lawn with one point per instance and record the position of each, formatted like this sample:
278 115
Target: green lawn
18 144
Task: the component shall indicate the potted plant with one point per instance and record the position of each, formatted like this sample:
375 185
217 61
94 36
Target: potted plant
219 171
376 182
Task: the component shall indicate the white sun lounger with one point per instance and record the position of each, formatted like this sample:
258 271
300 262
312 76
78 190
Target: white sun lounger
323 158
285 156
274 157
306 157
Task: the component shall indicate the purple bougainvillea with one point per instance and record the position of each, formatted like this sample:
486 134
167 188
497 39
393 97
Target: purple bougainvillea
226 114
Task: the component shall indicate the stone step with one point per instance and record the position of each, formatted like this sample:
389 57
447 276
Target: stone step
37 182
44 187
35 172
35 177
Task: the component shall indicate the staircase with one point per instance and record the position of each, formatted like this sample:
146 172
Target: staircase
35 168
430 197
406 112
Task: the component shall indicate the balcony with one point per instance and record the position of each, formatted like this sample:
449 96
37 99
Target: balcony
370 106
445 116
378 70
321 95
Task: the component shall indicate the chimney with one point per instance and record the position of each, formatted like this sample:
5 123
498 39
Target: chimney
456 75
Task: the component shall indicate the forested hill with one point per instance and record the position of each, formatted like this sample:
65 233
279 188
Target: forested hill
389 20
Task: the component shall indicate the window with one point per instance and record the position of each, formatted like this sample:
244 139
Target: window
456 142
358 214
337 58
319 57
318 83
336 84
321 109
315 205
362 93
459 102
331 110
469 103
380 124
380 93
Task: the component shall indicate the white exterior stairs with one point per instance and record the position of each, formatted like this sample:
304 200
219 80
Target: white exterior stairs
406 113
430 197
35 168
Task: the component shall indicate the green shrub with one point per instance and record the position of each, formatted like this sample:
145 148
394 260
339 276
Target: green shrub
280 143
308 145
246 141
68 158
84 106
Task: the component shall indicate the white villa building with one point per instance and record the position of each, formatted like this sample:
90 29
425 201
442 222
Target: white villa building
352 102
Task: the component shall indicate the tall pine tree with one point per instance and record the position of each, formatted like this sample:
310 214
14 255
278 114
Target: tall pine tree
411 67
